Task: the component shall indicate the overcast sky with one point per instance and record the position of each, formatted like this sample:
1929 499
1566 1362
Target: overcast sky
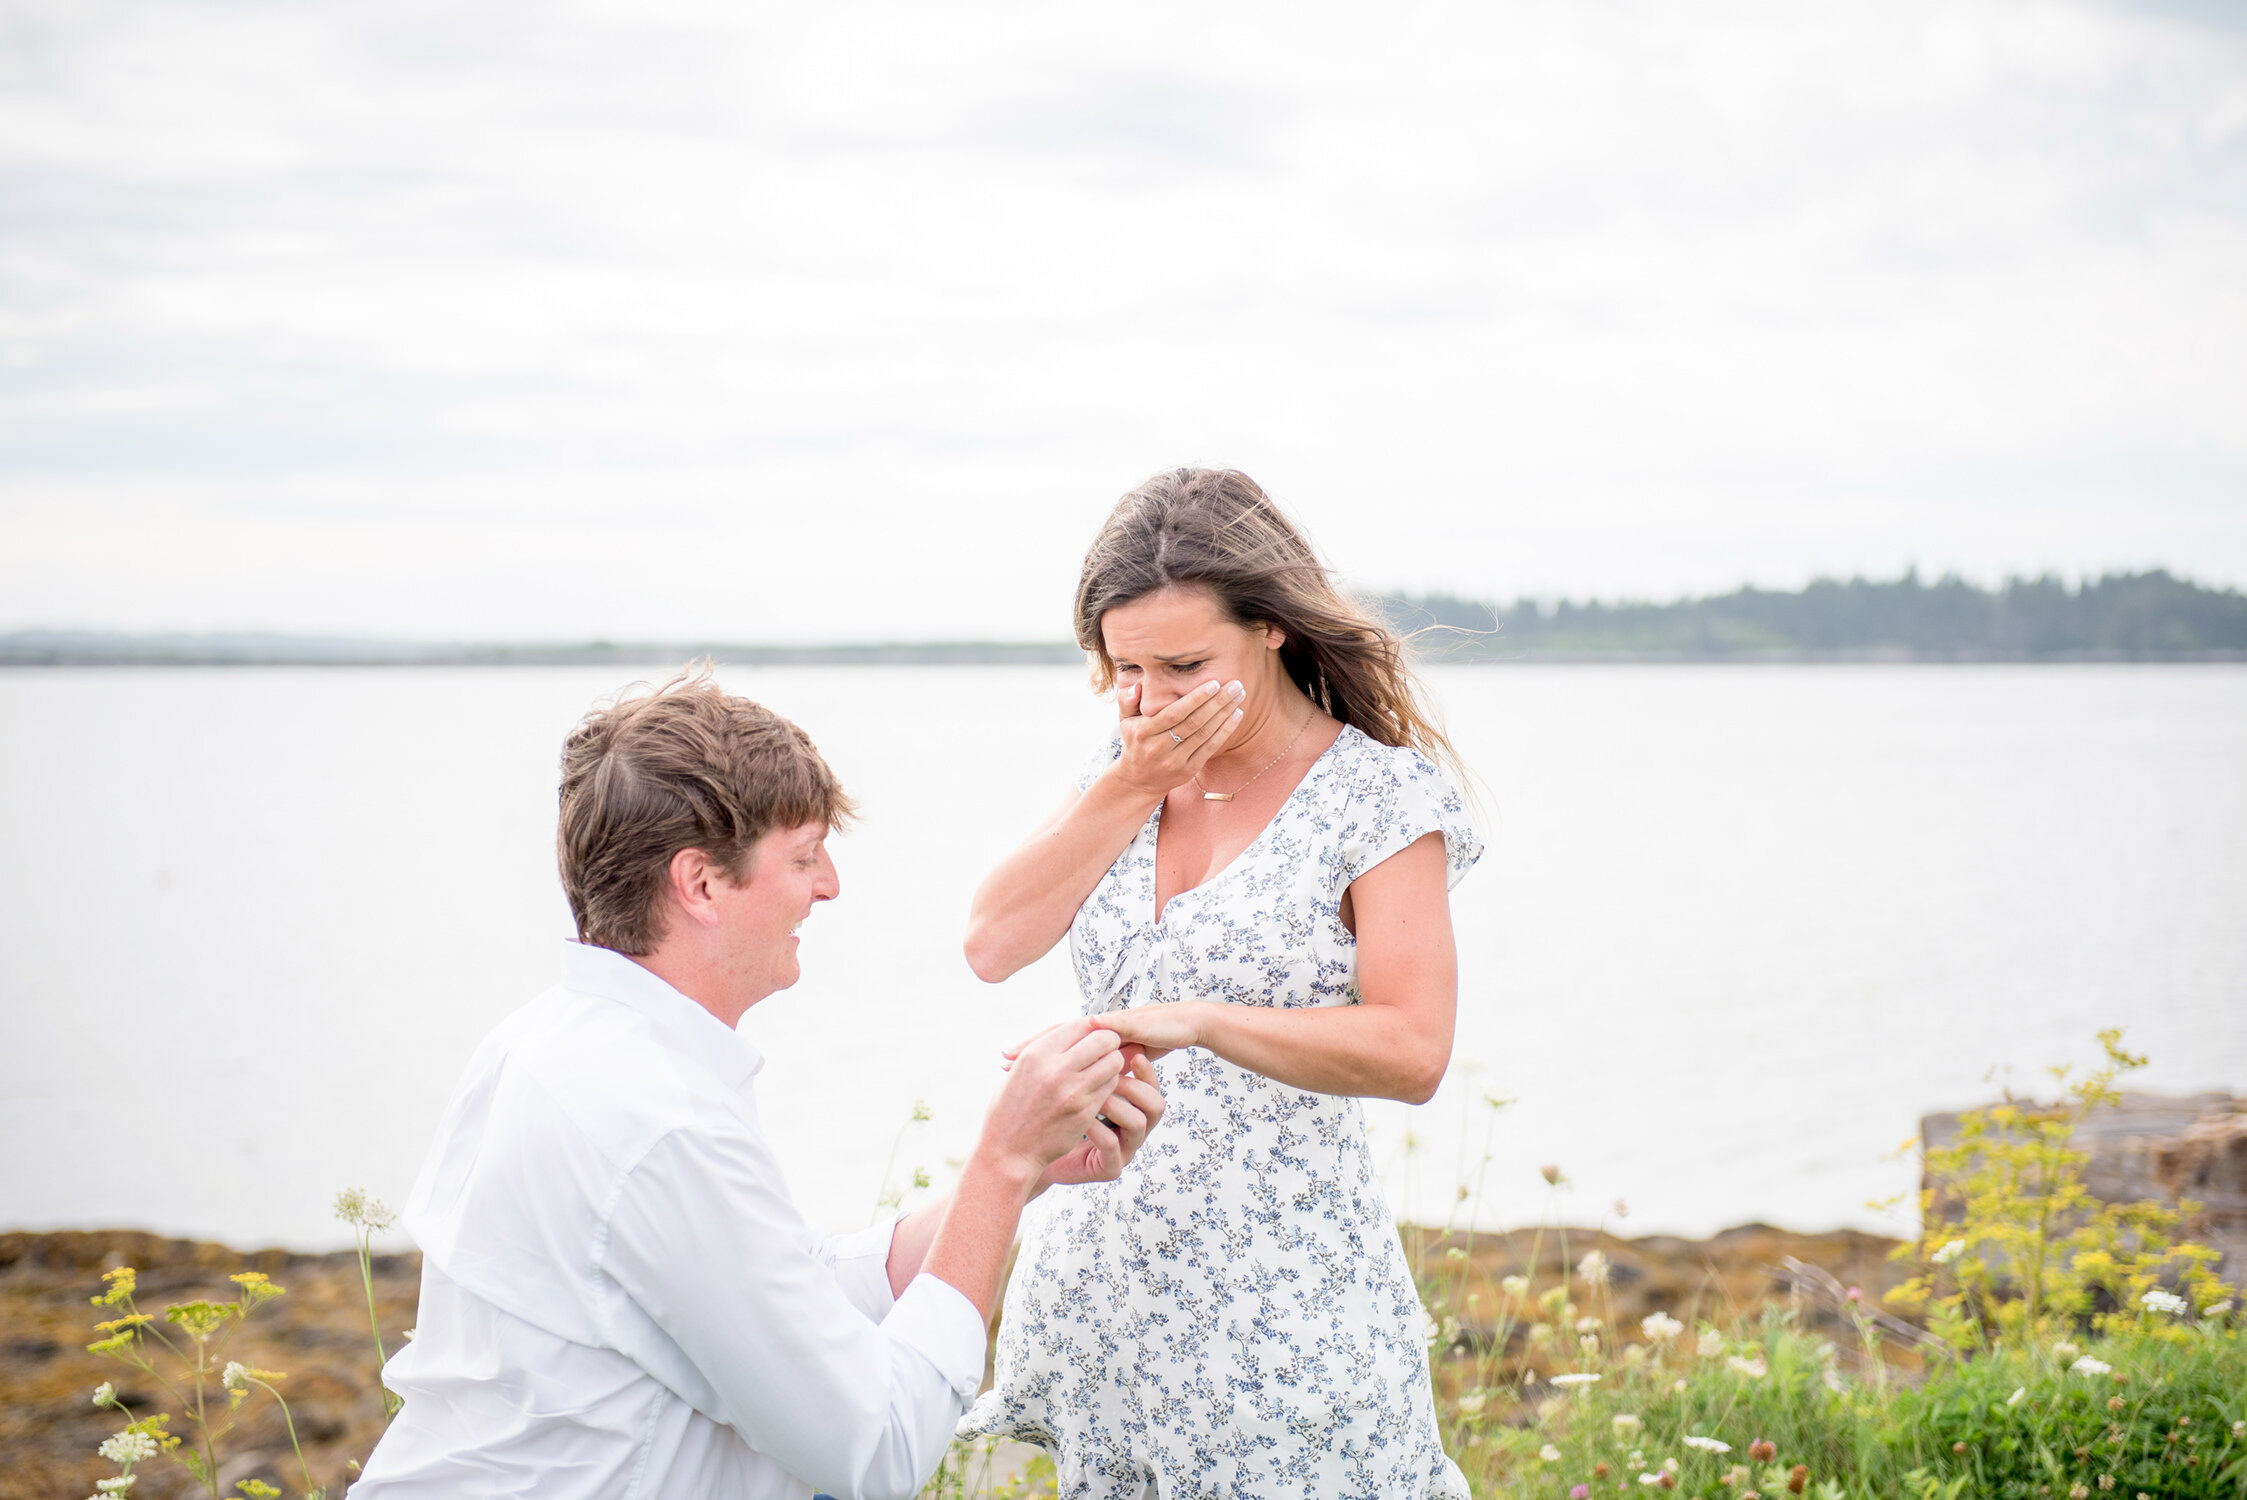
674 319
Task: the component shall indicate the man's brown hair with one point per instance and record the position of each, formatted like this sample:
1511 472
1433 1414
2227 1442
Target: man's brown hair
684 766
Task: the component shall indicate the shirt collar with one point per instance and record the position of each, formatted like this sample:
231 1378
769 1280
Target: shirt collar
612 976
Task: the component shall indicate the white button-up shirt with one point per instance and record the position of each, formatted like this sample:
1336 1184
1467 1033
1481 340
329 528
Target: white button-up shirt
618 1297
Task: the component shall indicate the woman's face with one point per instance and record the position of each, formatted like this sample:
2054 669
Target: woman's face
1170 642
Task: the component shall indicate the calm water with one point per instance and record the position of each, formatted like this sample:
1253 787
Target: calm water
1737 928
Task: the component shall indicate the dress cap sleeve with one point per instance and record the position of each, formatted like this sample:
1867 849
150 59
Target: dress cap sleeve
1400 796
1096 764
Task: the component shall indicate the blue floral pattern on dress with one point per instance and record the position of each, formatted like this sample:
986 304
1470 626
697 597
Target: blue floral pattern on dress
1235 1316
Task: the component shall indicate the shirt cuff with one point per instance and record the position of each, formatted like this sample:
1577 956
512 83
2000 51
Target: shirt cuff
860 1264
936 1318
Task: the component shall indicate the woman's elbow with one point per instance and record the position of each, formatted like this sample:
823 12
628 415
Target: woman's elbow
986 955
1423 1074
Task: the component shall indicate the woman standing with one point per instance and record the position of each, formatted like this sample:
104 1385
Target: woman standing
1253 874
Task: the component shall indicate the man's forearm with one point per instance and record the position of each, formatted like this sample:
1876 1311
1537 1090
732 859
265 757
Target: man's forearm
910 1239
970 1244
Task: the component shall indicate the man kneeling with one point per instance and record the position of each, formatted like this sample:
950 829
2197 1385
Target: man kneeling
617 1295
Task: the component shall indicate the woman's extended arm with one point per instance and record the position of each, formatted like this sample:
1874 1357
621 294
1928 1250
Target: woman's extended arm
1025 906
1395 1044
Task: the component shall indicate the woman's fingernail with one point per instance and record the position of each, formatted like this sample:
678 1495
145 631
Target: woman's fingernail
1238 692
1237 714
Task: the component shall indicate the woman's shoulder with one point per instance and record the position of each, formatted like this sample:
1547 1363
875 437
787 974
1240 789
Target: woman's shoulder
1367 763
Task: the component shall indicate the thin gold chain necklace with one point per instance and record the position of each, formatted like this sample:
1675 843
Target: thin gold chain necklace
1210 796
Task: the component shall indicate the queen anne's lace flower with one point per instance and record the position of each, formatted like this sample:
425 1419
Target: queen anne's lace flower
105 1394
2166 1302
129 1447
1626 1424
1706 1444
1660 1327
1593 1268
1711 1344
117 1486
1951 1251
2089 1366
236 1377
1549 1454
1754 1369
1567 1381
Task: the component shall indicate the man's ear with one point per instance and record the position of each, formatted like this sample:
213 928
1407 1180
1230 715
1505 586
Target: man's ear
692 878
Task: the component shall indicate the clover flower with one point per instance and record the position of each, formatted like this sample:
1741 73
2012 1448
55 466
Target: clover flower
1952 1250
1660 1327
1566 1382
2166 1302
1706 1444
1550 1172
2089 1366
1762 1451
128 1448
1579 1492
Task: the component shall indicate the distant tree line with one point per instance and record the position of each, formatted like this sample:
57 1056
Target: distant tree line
2122 616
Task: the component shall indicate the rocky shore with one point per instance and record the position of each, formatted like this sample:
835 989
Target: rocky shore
318 1333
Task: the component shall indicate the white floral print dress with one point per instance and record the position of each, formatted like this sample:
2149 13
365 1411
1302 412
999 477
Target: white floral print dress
1235 1316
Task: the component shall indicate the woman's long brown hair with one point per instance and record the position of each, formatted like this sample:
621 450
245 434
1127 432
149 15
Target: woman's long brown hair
1217 529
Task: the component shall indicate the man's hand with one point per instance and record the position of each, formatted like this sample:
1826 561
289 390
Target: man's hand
1130 1112
1056 1083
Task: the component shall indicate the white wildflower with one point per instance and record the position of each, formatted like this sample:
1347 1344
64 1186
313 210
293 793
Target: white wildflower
117 1486
1586 1325
1678 1386
2216 1309
2065 1350
1706 1444
129 1447
1593 1268
1660 1327
1471 1404
2166 1302
1711 1344
1549 1454
1515 1286
105 1394
237 1376
1637 1460
2015 1398
1950 1252
1754 1369
1625 1425
1670 1464
1651 1476
1833 1382
1566 1381
2089 1366
1589 1343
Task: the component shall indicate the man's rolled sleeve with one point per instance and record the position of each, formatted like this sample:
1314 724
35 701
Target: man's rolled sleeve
860 1261
936 1318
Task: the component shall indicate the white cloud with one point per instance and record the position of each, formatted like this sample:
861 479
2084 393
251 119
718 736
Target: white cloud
413 319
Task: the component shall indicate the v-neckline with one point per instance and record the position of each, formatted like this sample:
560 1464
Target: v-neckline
1154 843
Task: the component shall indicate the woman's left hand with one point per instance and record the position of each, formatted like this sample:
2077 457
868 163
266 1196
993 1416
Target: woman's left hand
1158 1029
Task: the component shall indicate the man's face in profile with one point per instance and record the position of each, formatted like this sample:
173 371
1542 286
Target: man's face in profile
788 872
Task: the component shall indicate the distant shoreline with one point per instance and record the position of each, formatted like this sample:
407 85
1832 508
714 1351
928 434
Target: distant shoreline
47 649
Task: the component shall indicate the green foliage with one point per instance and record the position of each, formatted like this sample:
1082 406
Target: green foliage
185 1368
2122 614
2029 1254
